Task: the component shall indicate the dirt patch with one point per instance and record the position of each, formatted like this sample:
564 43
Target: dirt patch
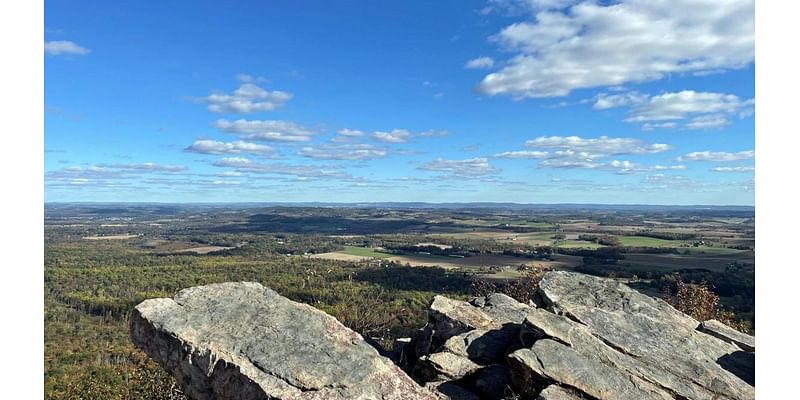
441 246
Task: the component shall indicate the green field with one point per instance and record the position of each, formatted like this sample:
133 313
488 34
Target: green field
645 241
364 252
577 244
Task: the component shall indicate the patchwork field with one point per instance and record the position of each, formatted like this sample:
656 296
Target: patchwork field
484 261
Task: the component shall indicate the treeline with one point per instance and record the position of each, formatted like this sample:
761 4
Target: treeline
605 240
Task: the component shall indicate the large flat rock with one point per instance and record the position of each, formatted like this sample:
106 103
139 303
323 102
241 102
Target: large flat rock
244 341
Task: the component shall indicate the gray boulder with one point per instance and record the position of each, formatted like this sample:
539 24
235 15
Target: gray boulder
607 322
445 366
448 318
244 341
555 392
550 361
502 308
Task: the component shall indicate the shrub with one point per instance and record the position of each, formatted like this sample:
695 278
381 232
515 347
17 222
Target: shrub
699 302
521 290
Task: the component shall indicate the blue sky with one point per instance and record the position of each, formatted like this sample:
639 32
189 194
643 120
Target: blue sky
530 101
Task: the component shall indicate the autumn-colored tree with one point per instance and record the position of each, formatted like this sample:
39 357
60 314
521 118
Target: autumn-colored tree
699 302
521 290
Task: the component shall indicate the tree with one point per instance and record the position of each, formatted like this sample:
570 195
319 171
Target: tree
699 302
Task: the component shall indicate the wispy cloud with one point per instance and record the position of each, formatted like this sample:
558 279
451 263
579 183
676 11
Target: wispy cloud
395 136
480 63
350 132
148 166
617 166
734 169
601 146
357 152
472 167
214 147
64 47
266 130
523 154
717 156
302 171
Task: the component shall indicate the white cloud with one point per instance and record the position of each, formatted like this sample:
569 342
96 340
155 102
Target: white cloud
307 171
570 164
574 152
707 110
617 166
58 47
472 167
527 154
433 133
85 173
594 45
214 147
266 130
395 136
350 132
480 63
679 105
601 146
649 126
605 101
734 169
714 121
246 78
669 167
248 98
717 156
349 153
234 162
516 7
228 174
148 166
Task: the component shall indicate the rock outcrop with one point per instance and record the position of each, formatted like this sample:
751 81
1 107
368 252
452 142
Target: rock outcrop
244 341
588 337
583 338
